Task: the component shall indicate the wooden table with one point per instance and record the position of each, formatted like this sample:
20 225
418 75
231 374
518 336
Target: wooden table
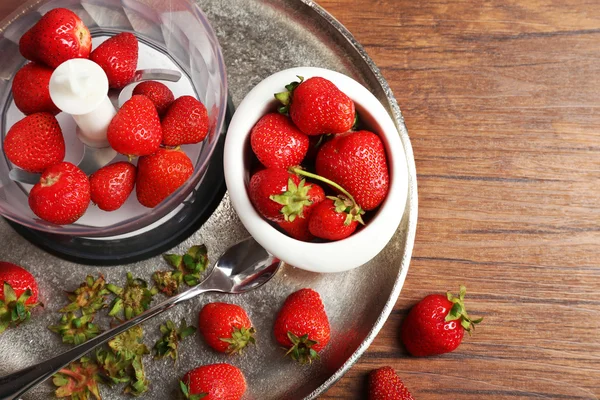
502 104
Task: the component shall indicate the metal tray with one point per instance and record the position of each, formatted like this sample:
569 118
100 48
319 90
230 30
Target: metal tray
258 39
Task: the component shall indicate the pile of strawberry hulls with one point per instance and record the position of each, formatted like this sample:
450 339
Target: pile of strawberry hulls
151 125
315 135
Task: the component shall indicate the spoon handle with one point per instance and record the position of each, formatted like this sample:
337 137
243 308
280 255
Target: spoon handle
16 384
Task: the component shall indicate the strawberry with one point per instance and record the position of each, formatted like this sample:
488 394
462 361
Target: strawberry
58 36
317 106
436 324
298 228
214 382
111 185
161 174
135 130
302 326
330 219
226 327
35 142
357 162
277 142
186 122
31 89
62 195
385 384
278 195
160 94
118 57
18 295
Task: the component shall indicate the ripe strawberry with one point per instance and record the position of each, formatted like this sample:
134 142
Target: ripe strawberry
160 94
277 142
186 122
385 384
35 142
62 195
161 174
302 325
31 91
18 295
135 130
214 382
111 185
59 36
226 327
436 324
298 228
357 162
330 219
317 106
278 195
118 57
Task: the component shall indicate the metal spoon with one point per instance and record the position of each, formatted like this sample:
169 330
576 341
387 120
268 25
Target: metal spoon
93 158
243 267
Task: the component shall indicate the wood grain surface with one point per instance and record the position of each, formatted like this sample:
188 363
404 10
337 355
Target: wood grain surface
502 104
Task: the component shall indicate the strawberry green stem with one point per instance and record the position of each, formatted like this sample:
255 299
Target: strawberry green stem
300 171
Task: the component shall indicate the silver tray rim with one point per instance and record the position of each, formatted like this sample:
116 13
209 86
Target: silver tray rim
412 200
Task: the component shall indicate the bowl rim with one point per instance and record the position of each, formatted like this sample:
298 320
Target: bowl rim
336 256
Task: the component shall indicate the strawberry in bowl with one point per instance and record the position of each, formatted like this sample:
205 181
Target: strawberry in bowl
361 171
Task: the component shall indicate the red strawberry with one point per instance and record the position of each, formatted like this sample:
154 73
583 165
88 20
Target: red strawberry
59 36
35 142
118 57
385 384
160 94
135 130
330 220
226 327
277 194
186 122
111 185
298 227
161 174
317 106
436 324
31 91
62 195
302 325
277 142
357 162
214 382
18 295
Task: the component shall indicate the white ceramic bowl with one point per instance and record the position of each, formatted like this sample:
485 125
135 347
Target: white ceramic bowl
341 255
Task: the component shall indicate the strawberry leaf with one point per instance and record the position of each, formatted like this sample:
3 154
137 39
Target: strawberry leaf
13 310
172 336
293 200
459 312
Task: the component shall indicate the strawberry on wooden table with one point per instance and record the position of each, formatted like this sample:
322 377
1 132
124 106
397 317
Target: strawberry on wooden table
298 227
35 142
385 384
436 324
18 295
62 195
277 142
302 326
118 57
158 93
226 327
357 162
31 89
111 185
317 106
185 122
214 382
58 36
161 174
135 130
